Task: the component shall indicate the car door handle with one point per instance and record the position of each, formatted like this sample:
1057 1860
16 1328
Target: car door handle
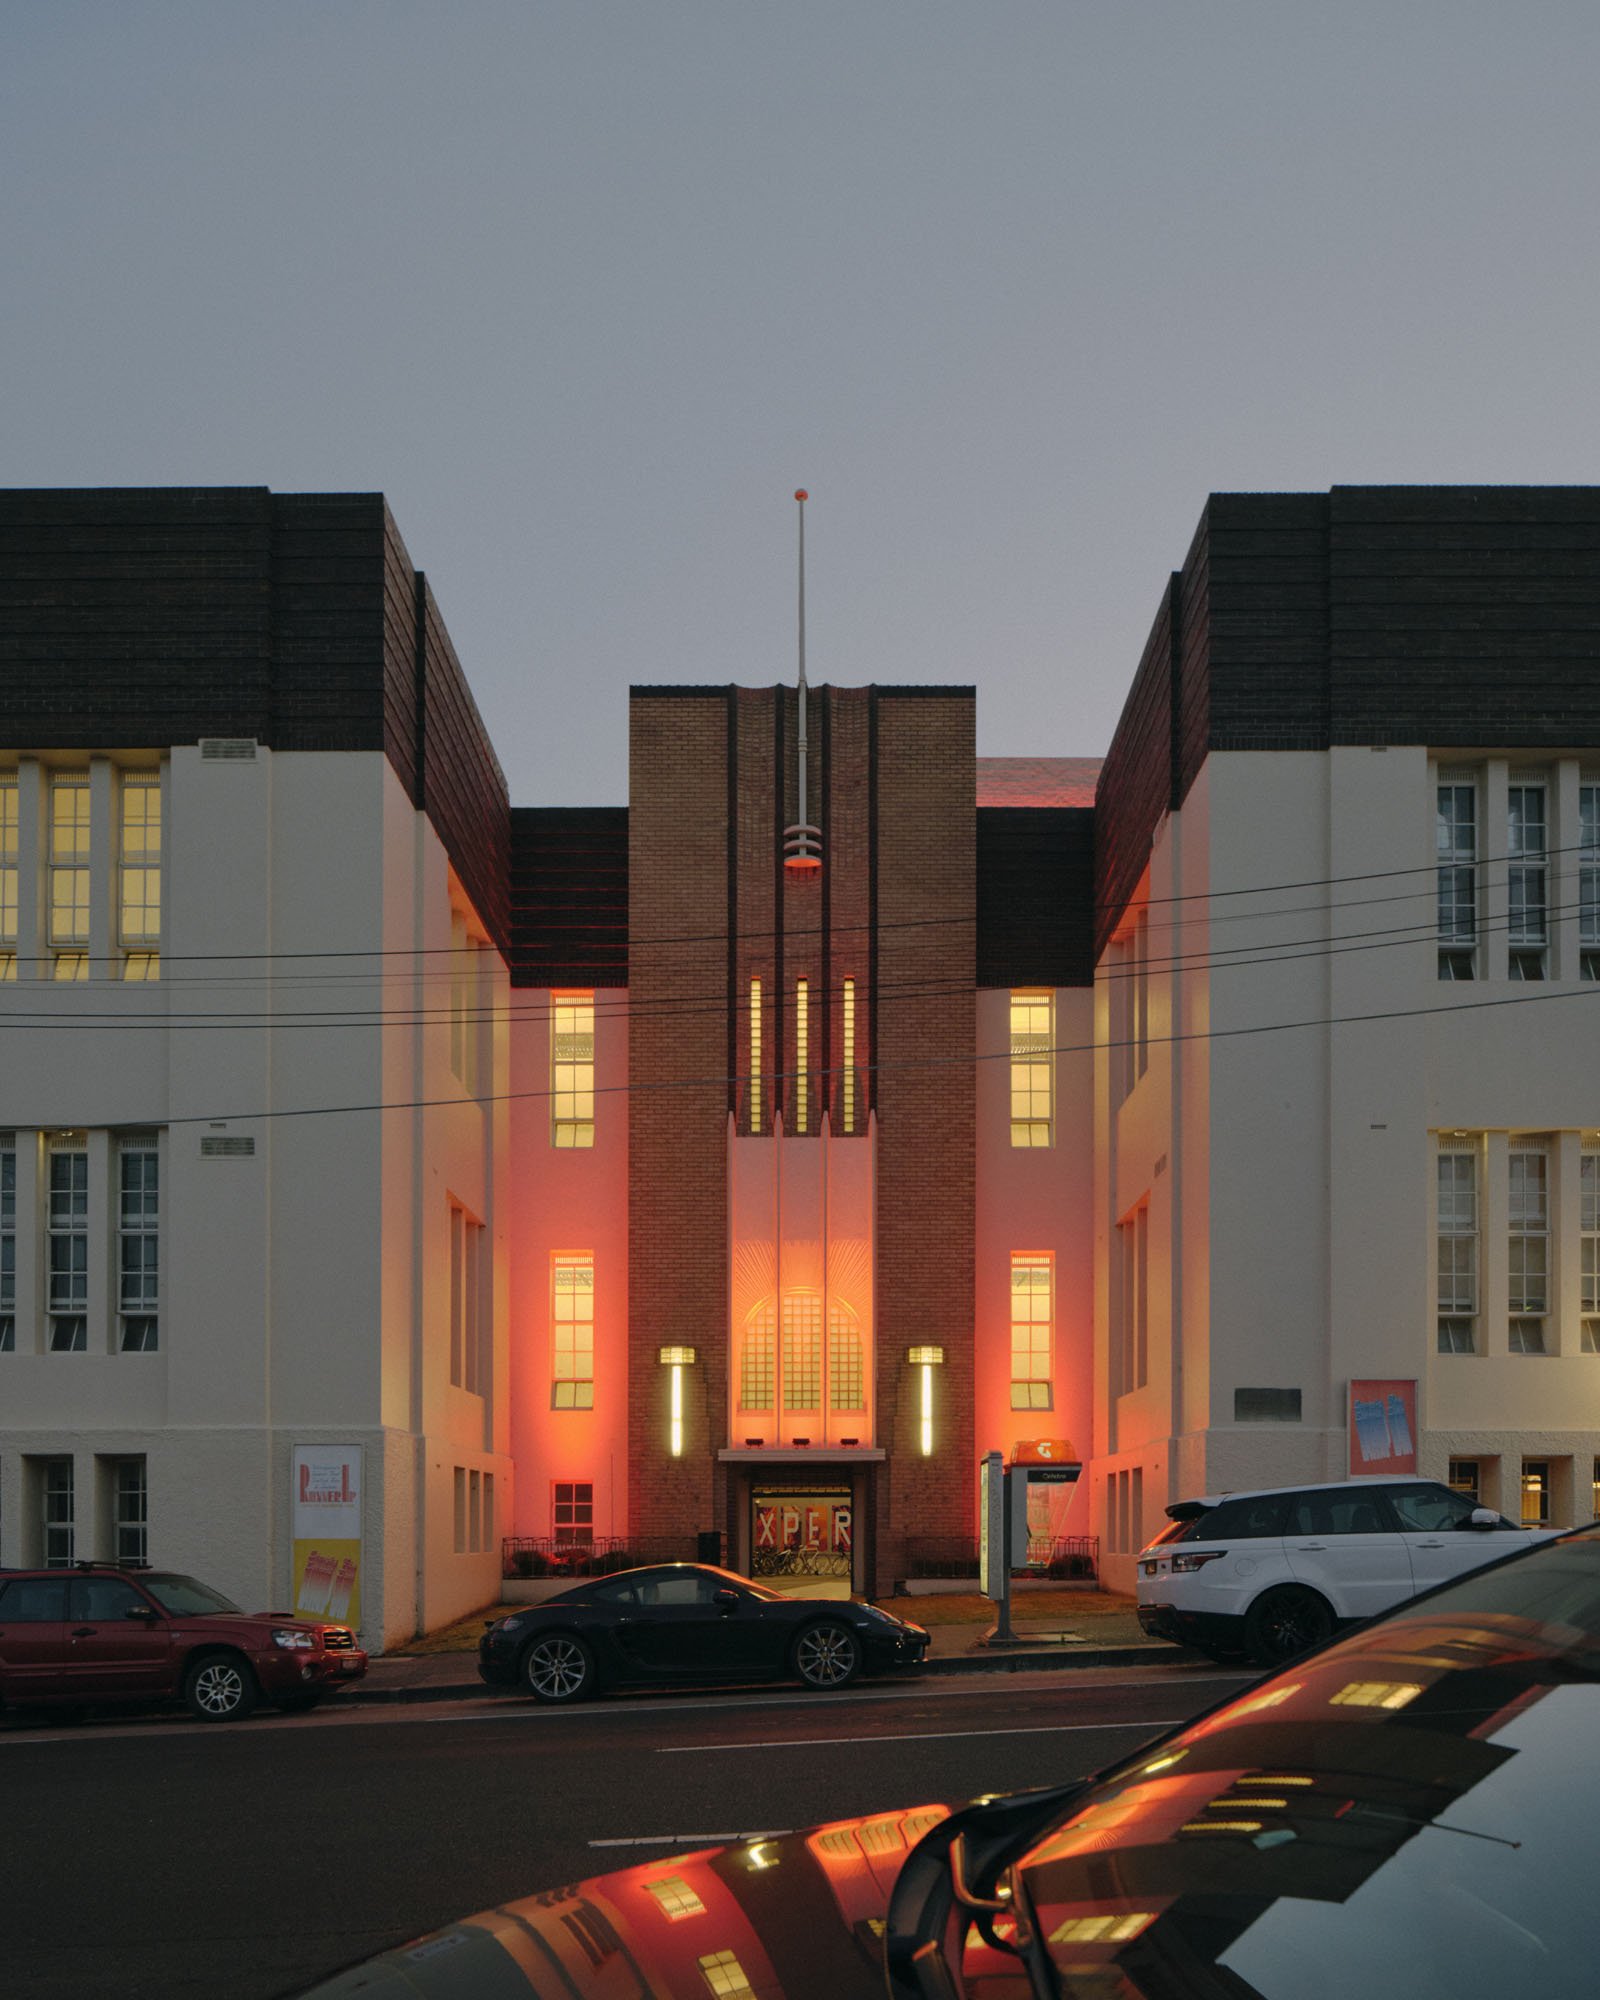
1311 1549
84 1631
1427 1545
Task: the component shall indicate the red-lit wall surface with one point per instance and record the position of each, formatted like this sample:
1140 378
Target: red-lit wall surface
1031 1200
569 1201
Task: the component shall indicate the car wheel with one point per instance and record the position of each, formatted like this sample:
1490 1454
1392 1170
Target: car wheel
297 1704
827 1656
1283 1624
558 1666
219 1687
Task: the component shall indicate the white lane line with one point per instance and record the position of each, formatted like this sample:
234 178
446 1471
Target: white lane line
915 1736
693 1839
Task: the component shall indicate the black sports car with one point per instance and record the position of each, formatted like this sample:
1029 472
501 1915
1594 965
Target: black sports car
688 1622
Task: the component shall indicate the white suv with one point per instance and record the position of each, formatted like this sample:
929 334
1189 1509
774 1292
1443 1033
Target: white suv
1272 1572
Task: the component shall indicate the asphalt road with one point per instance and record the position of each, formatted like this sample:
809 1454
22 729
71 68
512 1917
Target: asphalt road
170 1858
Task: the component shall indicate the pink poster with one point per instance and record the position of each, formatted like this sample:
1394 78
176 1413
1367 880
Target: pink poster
1383 1428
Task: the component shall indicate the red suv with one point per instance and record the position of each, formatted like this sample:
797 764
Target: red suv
97 1633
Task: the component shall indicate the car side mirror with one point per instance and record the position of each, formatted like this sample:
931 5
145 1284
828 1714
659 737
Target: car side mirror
726 1600
1482 1517
146 1613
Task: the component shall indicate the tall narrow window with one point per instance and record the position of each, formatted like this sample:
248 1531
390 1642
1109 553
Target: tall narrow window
1458 1252
1141 995
1456 846
466 1300
1466 1478
8 1242
1589 881
1527 908
1031 1049
572 1513
139 876
1536 1493
1589 1230
138 1242
802 1351
468 1003
572 1069
69 874
572 1333
58 1514
68 1231
847 1081
847 1376
755 1055
130 1506
1032 1331
758 1358
802 1052
9 878
1529 1275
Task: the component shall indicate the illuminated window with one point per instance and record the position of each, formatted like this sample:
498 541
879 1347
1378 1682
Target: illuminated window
138 1243
67 1234
1529 1246
1536 1493
1456 849
572 1069
755 1055
1466 1478
139 880
675 1899
802 1052
1032 1331
1589 1232
466 1299
69 873
1457 1244
847 1375
8 875
802 1351
725 1976
1031 1044
572 1333
572 1514
758 1358
847 1093
1526 847
8 1242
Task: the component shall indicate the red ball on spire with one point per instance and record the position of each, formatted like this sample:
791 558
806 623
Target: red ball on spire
802 494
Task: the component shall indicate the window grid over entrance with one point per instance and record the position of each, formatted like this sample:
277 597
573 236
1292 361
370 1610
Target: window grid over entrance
792 1369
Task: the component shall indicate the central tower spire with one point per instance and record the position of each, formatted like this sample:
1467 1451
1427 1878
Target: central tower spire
802 842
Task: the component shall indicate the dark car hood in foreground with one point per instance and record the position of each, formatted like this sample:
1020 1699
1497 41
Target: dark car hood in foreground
800 1916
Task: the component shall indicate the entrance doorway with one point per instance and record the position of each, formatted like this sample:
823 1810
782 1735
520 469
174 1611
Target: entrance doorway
802 1539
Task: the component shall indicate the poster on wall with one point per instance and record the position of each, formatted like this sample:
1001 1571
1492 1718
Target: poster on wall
1383 1428
326 1532
801 1534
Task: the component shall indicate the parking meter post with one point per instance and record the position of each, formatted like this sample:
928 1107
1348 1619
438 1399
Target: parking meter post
1003 1634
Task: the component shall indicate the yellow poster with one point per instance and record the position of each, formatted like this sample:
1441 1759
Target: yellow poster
327 1580
326 1533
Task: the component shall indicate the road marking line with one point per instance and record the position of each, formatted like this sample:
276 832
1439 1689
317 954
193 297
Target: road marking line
693 1839
917 1736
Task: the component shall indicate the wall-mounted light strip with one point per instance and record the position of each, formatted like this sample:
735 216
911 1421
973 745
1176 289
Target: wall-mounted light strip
925 1360
755 1055
847 1099
802 1051
676 1359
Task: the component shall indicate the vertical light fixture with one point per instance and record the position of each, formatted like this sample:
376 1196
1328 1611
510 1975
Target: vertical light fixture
925 1360
755 1055
675 1360
802 1051
848 1094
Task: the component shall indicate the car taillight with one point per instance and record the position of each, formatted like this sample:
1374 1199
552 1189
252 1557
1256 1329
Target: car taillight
1184 1565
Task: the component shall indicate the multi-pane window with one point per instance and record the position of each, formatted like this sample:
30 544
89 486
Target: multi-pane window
138 1242
847 1373
755 1055
8 1242
1465 1478
1456 845
139 875
1032 1044
1131 1351
1589 1236
1589 881
572 1513
56 1513
9 878
674 1898
802 1351
466 1299
802 1054
1457 1241
67 1254
1536 1493
847 1081
1527 849
758 1358
69 874
572 1069
1528 1248
1032 1330
130 1512
725 1977
572 1333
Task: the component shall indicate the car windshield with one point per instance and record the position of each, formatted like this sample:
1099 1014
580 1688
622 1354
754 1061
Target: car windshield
1405 1812
184 1597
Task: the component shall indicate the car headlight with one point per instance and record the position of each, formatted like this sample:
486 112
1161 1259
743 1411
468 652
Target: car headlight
511 1624
293 1642
876 1611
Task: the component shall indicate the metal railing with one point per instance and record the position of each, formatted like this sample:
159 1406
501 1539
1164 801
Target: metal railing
528 1556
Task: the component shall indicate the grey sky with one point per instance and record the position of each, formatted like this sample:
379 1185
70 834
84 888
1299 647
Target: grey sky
588 289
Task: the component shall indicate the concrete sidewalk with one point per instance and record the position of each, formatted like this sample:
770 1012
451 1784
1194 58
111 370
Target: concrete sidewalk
956 1649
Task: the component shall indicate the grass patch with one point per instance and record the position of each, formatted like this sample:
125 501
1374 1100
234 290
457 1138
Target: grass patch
462 1637
1067 1607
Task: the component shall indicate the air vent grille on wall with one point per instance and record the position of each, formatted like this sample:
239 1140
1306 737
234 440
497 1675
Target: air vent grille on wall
214 1147
1266 1406
228 749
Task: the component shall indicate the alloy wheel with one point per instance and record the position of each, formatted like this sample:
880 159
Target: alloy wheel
556 1669
826 1656
219 1688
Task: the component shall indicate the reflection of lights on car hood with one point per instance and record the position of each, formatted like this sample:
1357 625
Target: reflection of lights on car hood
1375 1694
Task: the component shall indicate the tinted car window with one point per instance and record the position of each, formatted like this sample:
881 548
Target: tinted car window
607 1593
1432 1507
183 1597
34 1601
691 1589
1238 1520
100 1599
1339 1512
